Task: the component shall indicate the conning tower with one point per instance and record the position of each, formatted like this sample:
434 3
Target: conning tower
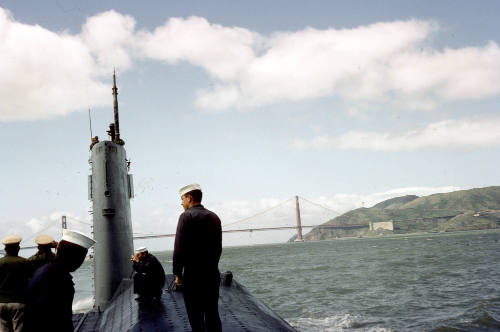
110 190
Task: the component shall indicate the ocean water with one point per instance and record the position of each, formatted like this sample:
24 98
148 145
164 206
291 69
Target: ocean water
426 282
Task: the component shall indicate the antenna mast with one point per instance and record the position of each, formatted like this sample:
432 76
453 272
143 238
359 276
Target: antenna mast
90 124
115 106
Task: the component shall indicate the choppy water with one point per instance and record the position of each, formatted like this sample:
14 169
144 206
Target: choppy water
431 282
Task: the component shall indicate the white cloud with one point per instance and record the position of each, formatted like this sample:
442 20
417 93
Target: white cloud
360 65
224 52
46 73
453 74
462 133
110 37
313 63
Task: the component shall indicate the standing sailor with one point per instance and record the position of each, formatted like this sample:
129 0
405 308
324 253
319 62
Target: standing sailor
198 246
44 254
50 293
14 274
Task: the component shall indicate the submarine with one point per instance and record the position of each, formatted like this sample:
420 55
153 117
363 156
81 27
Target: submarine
110 187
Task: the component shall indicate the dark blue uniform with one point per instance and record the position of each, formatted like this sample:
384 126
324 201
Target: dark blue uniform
49 300
149 278
198 246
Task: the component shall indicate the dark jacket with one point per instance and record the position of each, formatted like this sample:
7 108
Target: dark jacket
198 245
151 271
14 275
41 258
49 300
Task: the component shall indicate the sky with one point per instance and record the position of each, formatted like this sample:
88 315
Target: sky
344 103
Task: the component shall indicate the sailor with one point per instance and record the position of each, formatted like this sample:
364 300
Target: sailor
197 249
14 275
94 140
50 292
149 277
44 254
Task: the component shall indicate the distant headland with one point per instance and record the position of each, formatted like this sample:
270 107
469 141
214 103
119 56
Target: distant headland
461 210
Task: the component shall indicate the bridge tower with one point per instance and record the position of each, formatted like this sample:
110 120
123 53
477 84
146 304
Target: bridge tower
63 222
299 224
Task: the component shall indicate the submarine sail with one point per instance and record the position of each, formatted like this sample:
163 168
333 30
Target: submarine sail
115 309
110 190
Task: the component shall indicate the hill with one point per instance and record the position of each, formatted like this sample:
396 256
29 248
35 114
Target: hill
395 202
477 208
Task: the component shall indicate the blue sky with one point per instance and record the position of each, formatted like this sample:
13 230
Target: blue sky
344 103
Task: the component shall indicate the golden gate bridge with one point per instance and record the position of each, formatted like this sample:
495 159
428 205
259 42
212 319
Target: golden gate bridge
297 224
289 222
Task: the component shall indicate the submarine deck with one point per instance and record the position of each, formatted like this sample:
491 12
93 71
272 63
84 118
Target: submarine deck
238 310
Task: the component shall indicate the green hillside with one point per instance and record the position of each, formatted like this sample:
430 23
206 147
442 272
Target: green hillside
477 208
395 202
477 199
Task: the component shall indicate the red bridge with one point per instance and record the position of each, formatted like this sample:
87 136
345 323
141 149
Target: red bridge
287 222
297 226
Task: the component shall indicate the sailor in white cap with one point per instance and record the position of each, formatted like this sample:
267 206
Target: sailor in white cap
149 278
198 246
190 187
50 293
141 250
14 274
44 254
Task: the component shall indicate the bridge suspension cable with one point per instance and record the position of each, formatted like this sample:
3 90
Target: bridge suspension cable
37 233
82 222
258 214
322 206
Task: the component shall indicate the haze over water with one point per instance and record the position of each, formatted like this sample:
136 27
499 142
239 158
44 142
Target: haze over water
443 282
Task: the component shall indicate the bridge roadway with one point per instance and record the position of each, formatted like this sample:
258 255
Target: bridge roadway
261 229
153 236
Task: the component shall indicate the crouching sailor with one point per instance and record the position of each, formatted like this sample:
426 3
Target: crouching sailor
149 277
50 292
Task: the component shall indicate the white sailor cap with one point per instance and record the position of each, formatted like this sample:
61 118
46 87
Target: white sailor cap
188 188
11 239
77 238
44 239
141 250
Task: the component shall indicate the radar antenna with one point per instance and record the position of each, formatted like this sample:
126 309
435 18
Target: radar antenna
115 106
90 125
